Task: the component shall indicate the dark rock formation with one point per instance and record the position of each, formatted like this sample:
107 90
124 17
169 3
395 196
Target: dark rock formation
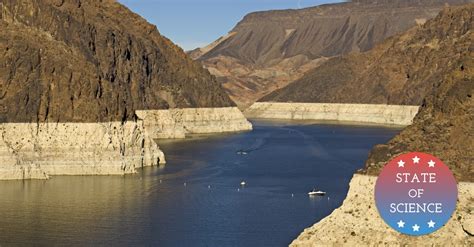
89 61
445 124
267 50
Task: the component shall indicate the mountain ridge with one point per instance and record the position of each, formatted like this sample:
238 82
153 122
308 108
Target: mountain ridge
268 50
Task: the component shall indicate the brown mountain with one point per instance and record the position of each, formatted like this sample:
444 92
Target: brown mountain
430 66
267 50
401 70
88 61
445 124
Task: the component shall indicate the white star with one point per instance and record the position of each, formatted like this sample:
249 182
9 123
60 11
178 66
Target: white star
401 224
401 163
416 160
431 224
416 228
431 163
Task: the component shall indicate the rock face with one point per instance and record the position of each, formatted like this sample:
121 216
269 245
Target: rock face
267 50
73 74
358 223
85 60
361 113
400 71
177 123
444 125
36 151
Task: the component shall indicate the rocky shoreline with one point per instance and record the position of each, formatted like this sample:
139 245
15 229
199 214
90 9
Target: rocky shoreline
358 223
40 150
363 113
177 123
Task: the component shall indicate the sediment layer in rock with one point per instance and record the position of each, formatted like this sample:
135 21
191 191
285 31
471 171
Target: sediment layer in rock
358 223
37 151
363 113
177 123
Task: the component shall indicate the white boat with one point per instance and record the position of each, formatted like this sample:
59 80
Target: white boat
315 192
243 183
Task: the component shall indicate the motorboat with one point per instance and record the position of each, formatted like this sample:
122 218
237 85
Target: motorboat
243 183
315 192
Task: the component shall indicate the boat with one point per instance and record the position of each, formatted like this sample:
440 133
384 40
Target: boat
242 152
243 183
315 192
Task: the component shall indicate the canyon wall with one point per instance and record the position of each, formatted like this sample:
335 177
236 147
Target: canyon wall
177 123
363 113
40 150
36 151
72 76
358 223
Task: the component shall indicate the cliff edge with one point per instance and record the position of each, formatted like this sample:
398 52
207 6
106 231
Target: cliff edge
74 73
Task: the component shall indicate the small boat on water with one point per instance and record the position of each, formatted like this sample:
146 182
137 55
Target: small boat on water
242 152
243 183
315 192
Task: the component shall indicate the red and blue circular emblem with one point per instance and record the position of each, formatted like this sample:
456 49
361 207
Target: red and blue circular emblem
416 193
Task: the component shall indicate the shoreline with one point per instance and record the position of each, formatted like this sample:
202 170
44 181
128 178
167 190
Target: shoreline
401 115
41 150
357 222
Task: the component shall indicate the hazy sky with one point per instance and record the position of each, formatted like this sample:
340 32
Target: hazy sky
195 23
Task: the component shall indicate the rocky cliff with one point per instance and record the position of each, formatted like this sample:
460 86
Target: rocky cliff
444 125
84 60
37 151
267 50
178 123
74 73
357 113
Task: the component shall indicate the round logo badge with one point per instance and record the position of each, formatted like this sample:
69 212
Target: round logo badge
416 194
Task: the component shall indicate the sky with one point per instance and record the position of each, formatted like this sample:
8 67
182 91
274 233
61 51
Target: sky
196 23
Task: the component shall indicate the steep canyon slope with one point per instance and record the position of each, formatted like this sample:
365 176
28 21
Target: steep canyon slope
267 50
89 61
444 125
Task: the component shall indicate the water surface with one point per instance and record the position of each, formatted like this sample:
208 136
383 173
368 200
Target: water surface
196 199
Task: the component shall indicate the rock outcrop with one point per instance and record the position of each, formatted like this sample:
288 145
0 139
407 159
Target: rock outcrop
358 223
73 74
39 150
85 60
361 113
444 125
268 50
177 123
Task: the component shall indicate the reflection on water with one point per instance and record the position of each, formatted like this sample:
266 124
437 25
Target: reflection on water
154 207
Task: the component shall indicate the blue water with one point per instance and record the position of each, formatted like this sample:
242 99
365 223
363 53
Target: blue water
197 199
